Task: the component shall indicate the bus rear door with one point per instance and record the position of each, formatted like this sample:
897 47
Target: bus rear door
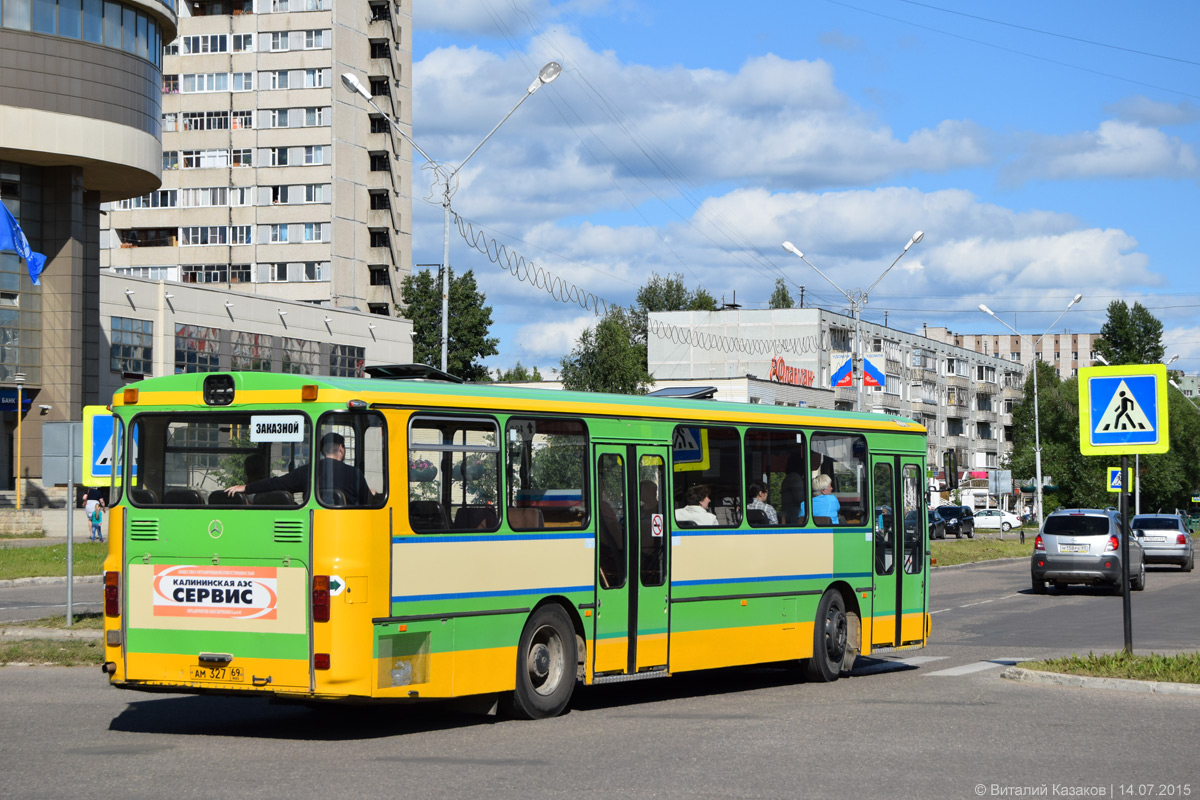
632 593
898 522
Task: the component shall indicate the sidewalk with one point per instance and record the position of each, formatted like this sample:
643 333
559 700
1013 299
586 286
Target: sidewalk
54 523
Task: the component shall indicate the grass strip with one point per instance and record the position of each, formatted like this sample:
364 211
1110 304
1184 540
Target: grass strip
91 621
70 653
970 551
1182 668
35 535
51 561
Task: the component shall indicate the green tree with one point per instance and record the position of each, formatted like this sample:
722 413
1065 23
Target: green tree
517 374
781 297
666 294
607 358
1130 335
470 321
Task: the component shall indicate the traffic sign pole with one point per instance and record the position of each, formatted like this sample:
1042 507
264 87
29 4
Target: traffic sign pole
1126 533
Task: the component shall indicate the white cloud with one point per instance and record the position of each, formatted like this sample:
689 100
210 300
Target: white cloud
1144 111
1116 149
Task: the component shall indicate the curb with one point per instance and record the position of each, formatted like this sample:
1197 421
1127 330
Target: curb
8 584
60 634
1022 675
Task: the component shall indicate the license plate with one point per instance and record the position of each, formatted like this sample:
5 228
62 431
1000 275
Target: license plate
1156 538
1072 548
221 674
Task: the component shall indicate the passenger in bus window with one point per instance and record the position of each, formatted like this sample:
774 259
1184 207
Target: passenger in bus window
792 490
696 511
825 503
336 478
758 502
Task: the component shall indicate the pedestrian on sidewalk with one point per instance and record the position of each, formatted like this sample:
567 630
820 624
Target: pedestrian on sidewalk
97 518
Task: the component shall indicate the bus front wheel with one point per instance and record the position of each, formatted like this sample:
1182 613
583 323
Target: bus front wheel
546 666
831 633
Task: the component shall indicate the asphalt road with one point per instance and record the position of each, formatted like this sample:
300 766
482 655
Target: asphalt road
932 723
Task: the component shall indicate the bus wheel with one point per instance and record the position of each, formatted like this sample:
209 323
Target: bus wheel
830 635
546 665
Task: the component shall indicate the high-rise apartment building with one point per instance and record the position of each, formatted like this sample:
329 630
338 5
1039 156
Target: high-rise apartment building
276 181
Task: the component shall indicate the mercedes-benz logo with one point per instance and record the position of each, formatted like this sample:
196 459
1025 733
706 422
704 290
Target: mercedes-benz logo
215 529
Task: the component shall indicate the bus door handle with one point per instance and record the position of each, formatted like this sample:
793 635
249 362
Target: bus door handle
257 681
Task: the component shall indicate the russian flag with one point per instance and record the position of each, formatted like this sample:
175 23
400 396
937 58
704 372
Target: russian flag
844 375
872 376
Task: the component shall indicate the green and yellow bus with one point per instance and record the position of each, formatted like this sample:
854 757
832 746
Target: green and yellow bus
495 542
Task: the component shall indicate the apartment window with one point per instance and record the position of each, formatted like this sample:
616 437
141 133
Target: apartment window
243 81
239 273
163 198
314 231
200 235
278 272
278 117
243 120
204 273
1075 355
381 87
196 349
379 275
132 348
380 201
279 194
241 196
314 154
214 43
204 197
379 124
380 49
379 238
198 159
380 162
279 156
277 79
243 42
380 12
205 82
314 193
314 78
1014 356
170 84
242 157
170 122
279 41
310 271
279 5
170 159
316 116
279 234
316 40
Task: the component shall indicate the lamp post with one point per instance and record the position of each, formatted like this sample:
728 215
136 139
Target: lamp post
1037 435
446 177
19 378
857 299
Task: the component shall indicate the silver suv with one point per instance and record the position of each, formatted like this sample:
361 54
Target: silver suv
1083 545
1166 540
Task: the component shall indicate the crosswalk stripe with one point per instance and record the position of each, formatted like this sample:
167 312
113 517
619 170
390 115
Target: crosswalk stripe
978 666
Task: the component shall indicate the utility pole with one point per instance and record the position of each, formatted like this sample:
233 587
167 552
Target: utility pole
802 295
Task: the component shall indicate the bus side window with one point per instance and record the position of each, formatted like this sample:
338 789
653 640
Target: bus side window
351 459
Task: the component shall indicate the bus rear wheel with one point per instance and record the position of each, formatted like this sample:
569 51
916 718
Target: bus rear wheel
546 666
831 633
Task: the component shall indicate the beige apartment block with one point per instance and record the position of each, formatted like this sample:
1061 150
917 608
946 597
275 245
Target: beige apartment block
277 181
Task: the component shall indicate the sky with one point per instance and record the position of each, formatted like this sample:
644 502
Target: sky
1045 149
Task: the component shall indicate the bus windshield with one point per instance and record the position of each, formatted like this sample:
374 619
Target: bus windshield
182 459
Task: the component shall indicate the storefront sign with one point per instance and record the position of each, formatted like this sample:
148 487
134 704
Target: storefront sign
782 373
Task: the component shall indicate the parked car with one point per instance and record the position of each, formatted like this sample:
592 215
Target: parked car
937 525
959 520
1166 539
995 518
1083 545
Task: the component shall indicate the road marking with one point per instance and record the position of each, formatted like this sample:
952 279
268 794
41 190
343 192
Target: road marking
892 665
972 605
978 666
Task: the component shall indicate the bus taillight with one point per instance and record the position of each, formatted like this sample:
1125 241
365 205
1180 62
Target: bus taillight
320 598
112 608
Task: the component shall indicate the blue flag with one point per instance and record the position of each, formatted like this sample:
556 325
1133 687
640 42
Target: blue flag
844 376
13 238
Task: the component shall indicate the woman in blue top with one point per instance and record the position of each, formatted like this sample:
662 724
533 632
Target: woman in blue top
824 503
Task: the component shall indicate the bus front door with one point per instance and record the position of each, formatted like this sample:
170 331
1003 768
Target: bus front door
632 620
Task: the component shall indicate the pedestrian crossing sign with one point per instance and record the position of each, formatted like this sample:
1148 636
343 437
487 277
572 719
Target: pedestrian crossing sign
1114 479
1123 410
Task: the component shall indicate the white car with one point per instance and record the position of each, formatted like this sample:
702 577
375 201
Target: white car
995 518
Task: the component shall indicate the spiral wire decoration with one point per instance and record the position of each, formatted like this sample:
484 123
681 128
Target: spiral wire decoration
569 293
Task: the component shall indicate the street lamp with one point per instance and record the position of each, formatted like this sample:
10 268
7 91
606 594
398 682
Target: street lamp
19 378
1037 435
446 178
857 299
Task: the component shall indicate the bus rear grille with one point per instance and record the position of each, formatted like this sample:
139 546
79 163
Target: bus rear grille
143 530
289 531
